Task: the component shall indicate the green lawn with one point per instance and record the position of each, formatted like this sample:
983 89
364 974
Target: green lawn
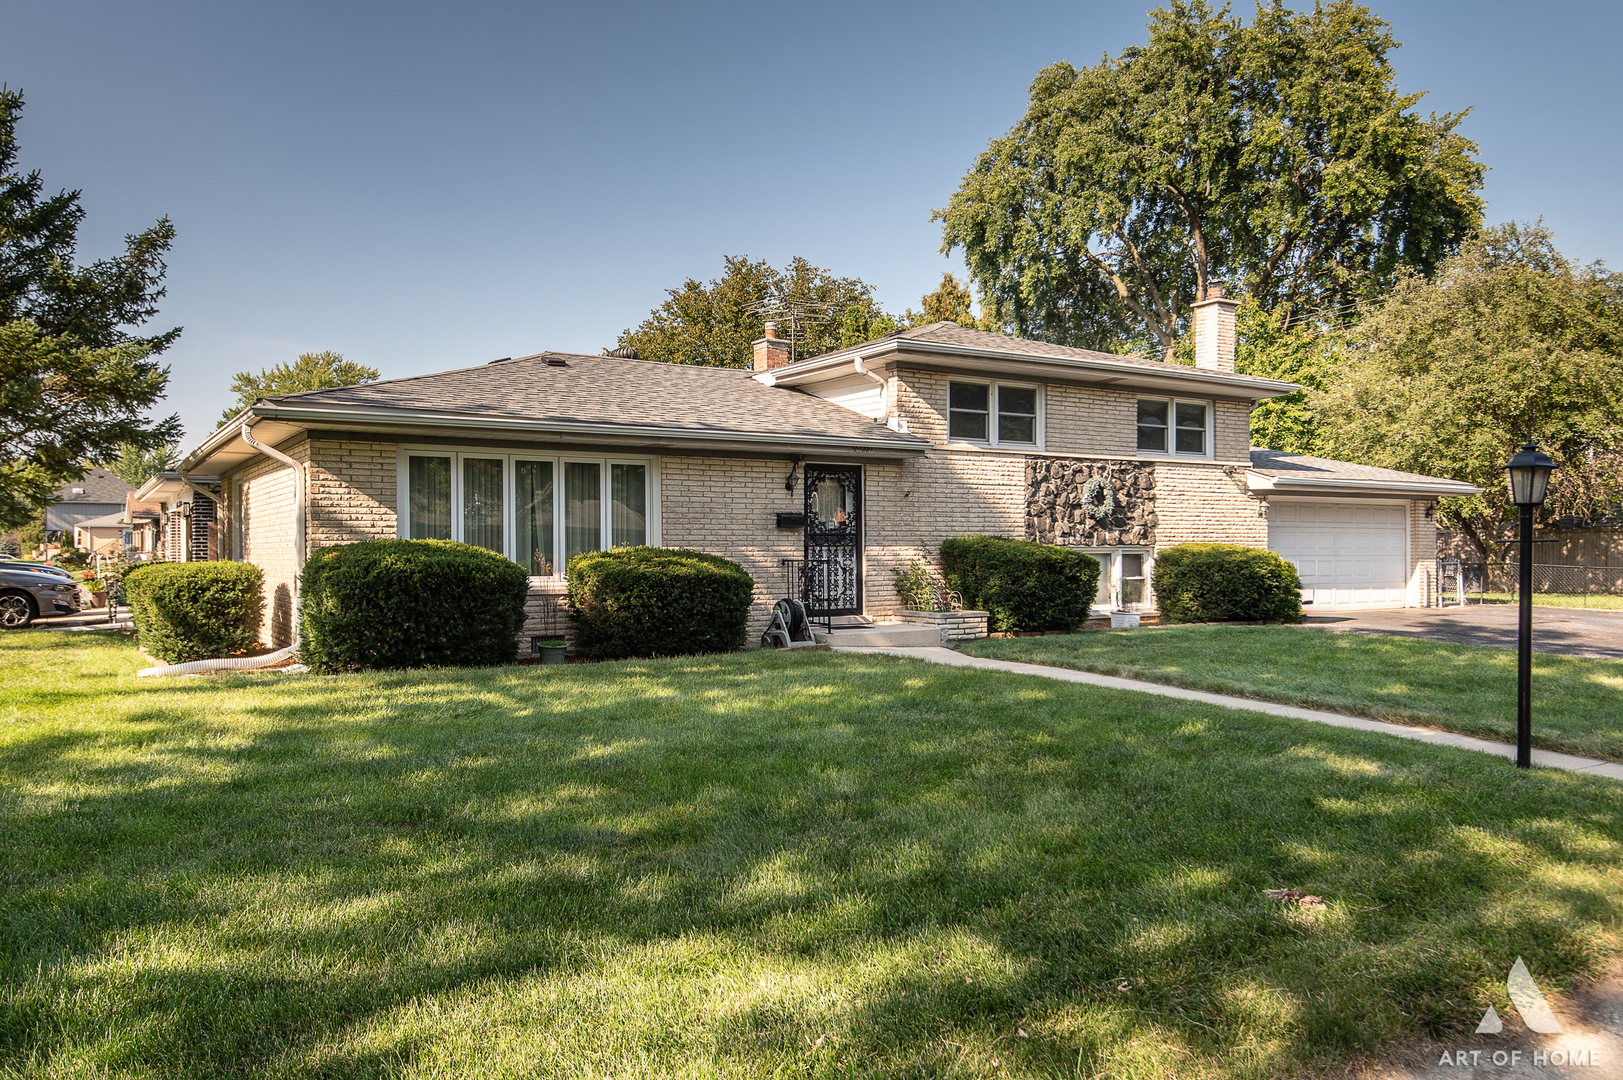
1577 703
754 865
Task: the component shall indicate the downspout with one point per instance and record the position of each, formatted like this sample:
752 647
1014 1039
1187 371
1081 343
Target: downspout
895 423
270 659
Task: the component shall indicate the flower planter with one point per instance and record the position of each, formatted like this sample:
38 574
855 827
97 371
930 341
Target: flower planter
954 625
554 654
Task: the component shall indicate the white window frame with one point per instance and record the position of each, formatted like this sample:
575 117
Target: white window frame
1172 450
992 402
509 518
1110 576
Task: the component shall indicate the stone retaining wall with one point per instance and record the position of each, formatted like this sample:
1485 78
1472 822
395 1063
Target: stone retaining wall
954 625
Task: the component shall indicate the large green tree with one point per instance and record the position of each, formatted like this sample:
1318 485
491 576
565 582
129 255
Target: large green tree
311 371
1447 377
77 381
1278 157
136 466
713 324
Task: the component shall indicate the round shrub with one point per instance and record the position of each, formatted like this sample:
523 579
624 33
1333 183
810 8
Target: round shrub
647 601
195 611
410 603
1022 584
1226 583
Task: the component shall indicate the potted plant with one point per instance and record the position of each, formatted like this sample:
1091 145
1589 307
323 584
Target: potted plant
98 592
552 652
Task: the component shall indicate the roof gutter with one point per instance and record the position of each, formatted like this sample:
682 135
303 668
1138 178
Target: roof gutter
894 423
370 418
270 659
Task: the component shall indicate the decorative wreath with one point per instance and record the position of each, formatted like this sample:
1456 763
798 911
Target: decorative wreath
1098 499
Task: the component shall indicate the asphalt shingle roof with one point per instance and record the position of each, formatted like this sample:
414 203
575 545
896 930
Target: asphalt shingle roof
611 390
97 486
1276 463
950 333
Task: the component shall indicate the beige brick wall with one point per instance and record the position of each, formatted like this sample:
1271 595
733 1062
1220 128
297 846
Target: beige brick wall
1231 426
1422 556
353 488
1085 421
914 505
728 507
267 493
1091 421
1203 504
350 496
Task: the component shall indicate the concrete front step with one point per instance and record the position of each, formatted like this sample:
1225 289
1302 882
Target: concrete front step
880 636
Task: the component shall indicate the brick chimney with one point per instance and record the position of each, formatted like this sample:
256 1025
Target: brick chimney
770 351
1214 330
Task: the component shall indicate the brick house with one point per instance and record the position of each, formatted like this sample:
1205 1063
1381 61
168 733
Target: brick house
857 462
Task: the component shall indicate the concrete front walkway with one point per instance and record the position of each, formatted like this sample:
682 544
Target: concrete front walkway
1547 758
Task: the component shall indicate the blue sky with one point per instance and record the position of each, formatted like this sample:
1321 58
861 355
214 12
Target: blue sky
422 187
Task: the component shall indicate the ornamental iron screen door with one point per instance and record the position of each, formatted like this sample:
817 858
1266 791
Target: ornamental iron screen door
832 584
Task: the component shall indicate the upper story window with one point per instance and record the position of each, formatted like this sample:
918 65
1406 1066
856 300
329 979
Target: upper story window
538 511
994 413
1169 426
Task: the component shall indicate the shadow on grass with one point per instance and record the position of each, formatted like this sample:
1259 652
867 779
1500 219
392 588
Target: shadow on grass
724 860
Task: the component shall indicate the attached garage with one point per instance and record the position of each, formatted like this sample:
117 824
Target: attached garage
1359 536
1348 554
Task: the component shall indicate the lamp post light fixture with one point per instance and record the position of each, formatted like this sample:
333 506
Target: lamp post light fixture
1529 473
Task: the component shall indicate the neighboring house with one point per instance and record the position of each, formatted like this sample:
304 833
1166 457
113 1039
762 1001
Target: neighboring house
109 534
134 528
859 462
176 519
94 495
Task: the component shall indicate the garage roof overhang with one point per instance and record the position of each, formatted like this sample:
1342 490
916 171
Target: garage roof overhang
1330 487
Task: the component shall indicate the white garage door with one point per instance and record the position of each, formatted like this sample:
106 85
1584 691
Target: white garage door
1348 554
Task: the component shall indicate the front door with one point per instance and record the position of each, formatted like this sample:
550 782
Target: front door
833 582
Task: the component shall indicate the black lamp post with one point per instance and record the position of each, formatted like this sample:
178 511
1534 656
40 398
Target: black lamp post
1529 473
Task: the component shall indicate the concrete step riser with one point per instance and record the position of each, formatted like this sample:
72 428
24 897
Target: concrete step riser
892 635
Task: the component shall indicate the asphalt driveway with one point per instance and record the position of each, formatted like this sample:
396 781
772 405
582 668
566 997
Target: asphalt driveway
1567 631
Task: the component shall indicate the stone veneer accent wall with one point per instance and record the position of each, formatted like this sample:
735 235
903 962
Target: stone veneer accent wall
1054 502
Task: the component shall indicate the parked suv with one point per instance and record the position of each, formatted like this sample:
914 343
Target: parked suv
28 593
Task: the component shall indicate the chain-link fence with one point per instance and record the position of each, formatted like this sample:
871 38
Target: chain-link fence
1560 586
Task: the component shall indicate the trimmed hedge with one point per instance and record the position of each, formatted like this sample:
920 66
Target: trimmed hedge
410 603
1226 583
195 611
647 601
1024 585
